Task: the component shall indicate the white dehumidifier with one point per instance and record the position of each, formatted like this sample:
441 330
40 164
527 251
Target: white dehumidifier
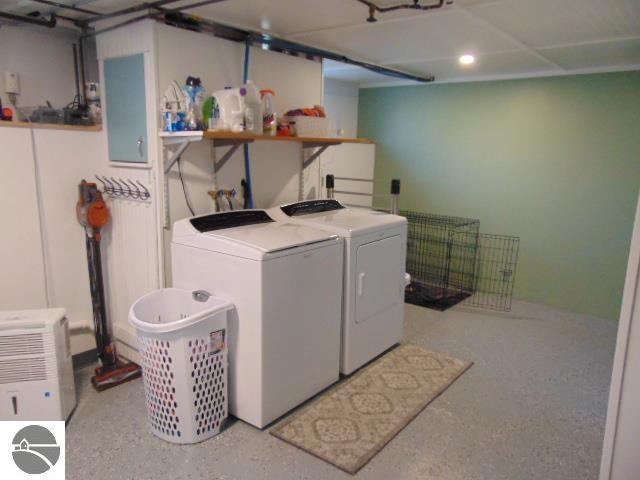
36 372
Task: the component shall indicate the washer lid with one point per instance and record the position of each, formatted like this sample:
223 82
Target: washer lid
330 214
247 239
272 237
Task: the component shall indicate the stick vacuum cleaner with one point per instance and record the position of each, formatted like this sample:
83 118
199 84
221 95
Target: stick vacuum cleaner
93 214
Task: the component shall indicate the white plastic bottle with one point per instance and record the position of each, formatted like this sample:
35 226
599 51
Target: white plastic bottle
253 108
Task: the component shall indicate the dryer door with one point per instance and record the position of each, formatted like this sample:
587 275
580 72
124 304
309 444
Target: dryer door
379 272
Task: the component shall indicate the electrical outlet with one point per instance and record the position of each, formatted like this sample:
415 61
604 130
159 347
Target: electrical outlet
11 83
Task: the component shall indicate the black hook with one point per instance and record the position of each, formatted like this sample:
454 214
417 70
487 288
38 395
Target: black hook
127 193
119 191
111 189
135 194
146 194
104 185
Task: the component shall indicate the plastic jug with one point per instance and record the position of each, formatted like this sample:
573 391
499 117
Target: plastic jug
231 110
269 121
253 108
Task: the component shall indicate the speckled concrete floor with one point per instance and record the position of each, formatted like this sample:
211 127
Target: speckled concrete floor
532 407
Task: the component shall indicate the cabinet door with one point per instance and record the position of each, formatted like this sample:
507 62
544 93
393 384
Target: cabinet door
126 108
378 279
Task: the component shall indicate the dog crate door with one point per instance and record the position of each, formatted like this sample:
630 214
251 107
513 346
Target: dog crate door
495 272
378 277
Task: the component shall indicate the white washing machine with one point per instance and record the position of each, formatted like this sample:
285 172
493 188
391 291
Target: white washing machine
374 283
284 334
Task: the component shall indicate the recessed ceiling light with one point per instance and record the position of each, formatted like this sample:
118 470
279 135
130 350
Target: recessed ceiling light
466 59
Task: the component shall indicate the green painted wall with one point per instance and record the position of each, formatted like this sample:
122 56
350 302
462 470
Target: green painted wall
555 161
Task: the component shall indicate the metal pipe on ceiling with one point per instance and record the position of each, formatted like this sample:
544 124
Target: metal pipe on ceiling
175 18
149 15
43 22
125 11
279 44
416 5
287 45
66 7
191 6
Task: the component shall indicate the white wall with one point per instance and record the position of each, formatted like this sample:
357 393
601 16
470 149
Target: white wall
219 63
63 159
351 160
347 160
22 278
341 104
43 59
620 459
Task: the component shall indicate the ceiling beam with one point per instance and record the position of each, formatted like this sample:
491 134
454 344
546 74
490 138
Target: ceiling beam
134 9
42 22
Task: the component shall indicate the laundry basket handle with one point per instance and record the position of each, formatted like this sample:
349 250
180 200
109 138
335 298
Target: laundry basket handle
200 295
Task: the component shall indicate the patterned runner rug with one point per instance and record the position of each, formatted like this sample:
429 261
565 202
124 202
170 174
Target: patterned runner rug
348 425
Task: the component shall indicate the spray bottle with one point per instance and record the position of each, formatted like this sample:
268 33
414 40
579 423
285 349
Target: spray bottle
194 93
269 121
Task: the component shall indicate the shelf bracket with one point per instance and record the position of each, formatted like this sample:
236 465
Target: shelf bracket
174 154
175 147
228 154
321 147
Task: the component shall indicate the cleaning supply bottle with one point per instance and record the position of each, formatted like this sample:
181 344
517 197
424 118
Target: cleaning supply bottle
194 93
269 121
253 108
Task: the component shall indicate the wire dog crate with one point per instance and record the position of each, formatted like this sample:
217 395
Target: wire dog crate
450 261
441 259
495 272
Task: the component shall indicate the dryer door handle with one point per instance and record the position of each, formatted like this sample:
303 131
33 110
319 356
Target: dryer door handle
360 283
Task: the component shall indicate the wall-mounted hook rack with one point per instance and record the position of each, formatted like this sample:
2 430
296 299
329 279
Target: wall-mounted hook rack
124 188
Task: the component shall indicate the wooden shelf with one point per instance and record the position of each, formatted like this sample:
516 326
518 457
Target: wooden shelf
176 143
51 126
250 137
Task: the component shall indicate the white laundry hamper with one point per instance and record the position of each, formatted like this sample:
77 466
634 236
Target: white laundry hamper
182 339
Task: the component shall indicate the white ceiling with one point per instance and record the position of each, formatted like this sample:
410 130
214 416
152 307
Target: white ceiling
509 38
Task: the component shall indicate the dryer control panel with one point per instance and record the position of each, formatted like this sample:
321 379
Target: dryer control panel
311 206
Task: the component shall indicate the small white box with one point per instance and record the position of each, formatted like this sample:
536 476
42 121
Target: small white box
310 126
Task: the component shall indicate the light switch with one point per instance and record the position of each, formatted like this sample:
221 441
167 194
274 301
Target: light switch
11 82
